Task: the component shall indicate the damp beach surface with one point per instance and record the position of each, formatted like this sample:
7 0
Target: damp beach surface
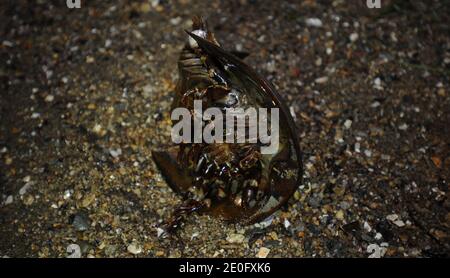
86 94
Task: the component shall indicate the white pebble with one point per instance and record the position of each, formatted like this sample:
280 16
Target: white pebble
67 194
270 66
74 250
263 252
194 235
115 153
357 147
392 217
97 128
348 124
9 200
134 248
321 80
35 115
374 251
159 232
375 104
313 22
354 37
175 21
49 98
399 223
286 223
200 33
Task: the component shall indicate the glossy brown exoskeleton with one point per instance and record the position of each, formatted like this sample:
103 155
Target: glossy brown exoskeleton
234 181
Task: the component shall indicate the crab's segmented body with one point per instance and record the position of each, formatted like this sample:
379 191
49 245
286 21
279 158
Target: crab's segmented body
233 180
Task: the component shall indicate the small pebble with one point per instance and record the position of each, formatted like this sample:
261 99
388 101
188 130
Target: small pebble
286 223
67 194
270 66
115 153
348 124
175 21
9 200
8 43
357 147
145 7
377 84
340 215
392 217
393 37
49 98
110 250
74 251
263 252
88 200
321 80
90 59
318 62
24 188
374 250
159 232
194 235
354 37
235 238
29 200
35 115
81 222
314 22
8 160
99 130
134 248
375 104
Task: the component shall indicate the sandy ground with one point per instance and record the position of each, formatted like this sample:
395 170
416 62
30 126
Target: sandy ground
86 94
